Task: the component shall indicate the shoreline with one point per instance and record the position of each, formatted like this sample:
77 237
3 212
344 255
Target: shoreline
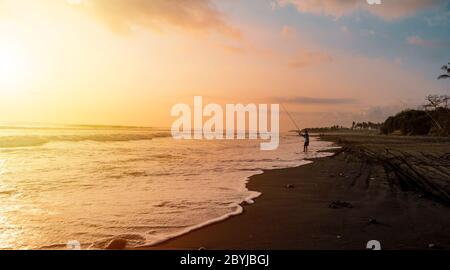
165 244
328 204
240 208
124 240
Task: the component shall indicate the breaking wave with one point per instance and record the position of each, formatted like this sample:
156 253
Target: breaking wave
13 141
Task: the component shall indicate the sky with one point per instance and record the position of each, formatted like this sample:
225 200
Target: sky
127 62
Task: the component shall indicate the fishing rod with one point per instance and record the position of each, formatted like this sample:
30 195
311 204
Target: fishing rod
290 117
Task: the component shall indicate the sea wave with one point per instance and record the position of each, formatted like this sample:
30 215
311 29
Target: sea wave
167 189
38 140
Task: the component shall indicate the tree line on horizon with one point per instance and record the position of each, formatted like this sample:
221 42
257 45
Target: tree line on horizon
432 119
366 125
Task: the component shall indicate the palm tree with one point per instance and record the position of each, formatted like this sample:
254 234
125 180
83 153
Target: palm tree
445 68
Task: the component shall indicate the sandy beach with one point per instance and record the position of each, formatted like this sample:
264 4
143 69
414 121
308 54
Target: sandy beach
387 188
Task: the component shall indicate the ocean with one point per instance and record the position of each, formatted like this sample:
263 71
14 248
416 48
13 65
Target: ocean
93 184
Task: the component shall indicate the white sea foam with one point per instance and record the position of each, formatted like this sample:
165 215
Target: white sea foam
146 191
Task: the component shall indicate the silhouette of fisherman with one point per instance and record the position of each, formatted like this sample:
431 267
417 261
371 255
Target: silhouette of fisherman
306 136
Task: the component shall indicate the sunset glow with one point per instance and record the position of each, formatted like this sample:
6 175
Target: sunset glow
202 125
13 65
81 60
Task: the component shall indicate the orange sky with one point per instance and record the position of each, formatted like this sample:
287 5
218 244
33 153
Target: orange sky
128 62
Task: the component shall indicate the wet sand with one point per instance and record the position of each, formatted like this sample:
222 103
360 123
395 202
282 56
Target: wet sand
342 202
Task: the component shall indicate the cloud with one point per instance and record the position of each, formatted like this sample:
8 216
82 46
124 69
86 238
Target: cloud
438 19
233 49
418 41
317 101
310 119
379 113
307 58
121 15
274 5
388 10
346 31
288 32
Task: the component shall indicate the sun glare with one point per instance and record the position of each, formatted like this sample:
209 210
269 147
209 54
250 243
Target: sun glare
13 65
